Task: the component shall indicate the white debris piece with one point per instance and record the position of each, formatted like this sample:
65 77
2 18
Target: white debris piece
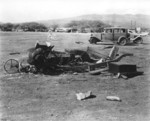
75 73
113 98
100 61
48 44
82 96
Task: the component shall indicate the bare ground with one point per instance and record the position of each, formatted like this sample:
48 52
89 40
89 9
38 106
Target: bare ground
29 97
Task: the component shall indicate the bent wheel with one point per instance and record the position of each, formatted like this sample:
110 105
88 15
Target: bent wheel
11 66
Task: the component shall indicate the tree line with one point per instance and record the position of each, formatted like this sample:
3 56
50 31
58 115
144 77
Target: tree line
31 26
94 26
81 25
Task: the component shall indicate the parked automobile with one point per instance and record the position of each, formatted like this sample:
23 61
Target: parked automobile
119 35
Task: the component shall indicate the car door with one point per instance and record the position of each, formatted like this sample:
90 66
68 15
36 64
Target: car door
118 32
108 35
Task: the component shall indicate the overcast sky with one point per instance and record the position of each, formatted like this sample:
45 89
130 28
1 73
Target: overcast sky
33 10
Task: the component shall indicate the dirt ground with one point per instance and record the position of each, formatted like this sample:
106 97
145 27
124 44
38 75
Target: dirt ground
30 97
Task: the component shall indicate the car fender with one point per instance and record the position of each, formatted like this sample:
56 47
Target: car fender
135 38
121 38
94 39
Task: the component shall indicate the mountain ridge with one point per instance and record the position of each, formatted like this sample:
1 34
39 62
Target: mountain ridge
127 20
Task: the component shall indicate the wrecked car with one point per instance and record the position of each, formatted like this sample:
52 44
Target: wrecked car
44 57
119 35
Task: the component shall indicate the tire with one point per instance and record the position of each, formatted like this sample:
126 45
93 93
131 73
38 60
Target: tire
92 41
123 41
138 41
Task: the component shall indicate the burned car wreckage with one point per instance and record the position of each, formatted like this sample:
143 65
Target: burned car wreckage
43 58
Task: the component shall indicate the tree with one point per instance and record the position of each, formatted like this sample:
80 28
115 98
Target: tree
93 25
33 26
7 27
54 26
16 26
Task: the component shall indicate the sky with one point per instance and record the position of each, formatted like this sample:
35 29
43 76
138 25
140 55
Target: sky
35 10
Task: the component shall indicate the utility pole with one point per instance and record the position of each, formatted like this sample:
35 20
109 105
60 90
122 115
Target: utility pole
131 24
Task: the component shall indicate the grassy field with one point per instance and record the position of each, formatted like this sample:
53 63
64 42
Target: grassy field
29 97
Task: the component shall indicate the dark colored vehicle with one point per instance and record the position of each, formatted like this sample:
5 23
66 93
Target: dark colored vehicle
117 35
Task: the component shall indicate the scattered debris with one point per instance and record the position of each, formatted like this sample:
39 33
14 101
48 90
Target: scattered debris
14 53
107 47
119 75
113 52
75 73
119 67
124 76
113 98
124 71
79 42
99 71
82 96
105 64
100 61
14 77
103 61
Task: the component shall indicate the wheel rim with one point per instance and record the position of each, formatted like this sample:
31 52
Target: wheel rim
11 66
123 42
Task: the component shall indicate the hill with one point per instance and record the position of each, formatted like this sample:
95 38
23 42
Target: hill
112 19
